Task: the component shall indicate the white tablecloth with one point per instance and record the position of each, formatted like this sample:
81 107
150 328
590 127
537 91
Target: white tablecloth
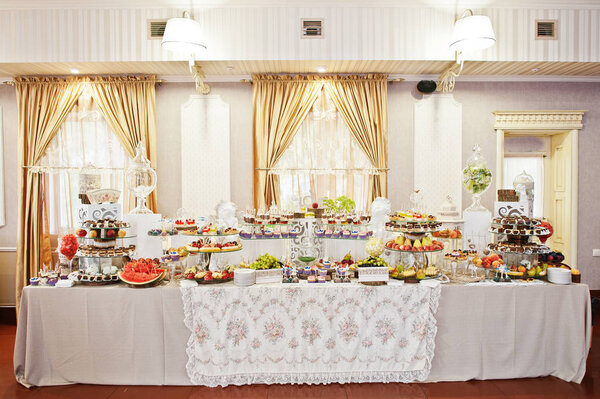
120 335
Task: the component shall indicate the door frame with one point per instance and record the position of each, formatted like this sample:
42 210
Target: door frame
543 123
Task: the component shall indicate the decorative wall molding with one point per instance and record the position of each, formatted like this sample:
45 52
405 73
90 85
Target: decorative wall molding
8 249
538 120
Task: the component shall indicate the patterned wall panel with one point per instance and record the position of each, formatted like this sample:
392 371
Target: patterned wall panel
205 154
438 150
263 33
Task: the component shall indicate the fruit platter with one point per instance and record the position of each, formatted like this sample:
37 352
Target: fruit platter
207 276
265 262
414 275
210 246
142 273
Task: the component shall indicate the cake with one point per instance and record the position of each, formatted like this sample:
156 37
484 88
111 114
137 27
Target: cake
320 279
311 279
448 209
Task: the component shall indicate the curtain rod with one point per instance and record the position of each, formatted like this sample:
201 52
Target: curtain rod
319 169
394 80
158 81
73 168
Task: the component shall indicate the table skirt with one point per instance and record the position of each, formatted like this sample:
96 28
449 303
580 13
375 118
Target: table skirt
124 336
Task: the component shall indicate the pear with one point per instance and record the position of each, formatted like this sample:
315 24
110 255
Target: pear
407 242
417 244
427 241
420 274
399 240
531 272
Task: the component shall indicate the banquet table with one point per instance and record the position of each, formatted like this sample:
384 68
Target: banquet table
119 335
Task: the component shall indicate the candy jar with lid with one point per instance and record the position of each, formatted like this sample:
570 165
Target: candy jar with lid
476 179
140 179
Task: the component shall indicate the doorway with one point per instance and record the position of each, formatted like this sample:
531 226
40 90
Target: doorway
545 142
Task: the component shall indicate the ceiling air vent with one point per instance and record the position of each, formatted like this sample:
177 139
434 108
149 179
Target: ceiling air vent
311 28
156 28
545 29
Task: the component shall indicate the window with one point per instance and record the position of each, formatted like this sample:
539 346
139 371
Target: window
534 166
83 145
323 160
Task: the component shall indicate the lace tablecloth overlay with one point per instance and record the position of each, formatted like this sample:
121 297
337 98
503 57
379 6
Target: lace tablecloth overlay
310 333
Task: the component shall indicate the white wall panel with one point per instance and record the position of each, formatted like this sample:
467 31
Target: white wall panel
263 33
205 154
438 150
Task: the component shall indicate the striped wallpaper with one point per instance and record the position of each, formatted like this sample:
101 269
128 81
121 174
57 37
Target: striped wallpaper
261 33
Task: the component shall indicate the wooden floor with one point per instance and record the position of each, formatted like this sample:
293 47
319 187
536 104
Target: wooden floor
548 387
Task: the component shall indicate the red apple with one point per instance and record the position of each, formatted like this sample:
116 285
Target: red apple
315 205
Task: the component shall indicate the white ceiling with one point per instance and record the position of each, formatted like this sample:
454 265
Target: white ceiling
46 4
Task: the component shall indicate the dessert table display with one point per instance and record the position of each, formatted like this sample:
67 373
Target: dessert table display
119 335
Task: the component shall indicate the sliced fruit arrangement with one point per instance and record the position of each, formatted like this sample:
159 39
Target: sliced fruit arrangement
426 244
141 272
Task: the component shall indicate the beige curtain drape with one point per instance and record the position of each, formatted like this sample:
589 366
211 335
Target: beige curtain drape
128 103
43 105
362 101
280 104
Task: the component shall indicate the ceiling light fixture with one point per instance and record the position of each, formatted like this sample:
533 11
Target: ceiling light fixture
471 33
321 69
184 36
74 71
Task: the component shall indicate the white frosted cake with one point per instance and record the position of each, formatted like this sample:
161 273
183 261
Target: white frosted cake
244 277
449 210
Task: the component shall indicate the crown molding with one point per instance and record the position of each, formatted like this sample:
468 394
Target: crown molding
539 120
182 4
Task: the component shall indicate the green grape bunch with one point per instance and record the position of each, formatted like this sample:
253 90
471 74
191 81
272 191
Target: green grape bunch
265 262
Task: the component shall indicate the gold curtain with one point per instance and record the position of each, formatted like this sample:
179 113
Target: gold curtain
362 101
280 104
43 105
128 103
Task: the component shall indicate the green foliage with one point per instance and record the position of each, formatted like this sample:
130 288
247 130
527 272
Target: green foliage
341 204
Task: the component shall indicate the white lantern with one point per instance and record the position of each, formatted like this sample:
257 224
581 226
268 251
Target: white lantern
472 33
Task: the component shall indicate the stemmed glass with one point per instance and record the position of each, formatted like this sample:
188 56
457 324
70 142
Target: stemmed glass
68 247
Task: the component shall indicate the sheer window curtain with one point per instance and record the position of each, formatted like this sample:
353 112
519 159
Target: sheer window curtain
84 142
323 160
533 165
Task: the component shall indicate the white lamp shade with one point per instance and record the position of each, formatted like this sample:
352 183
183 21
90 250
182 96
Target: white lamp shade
472 33
183 35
